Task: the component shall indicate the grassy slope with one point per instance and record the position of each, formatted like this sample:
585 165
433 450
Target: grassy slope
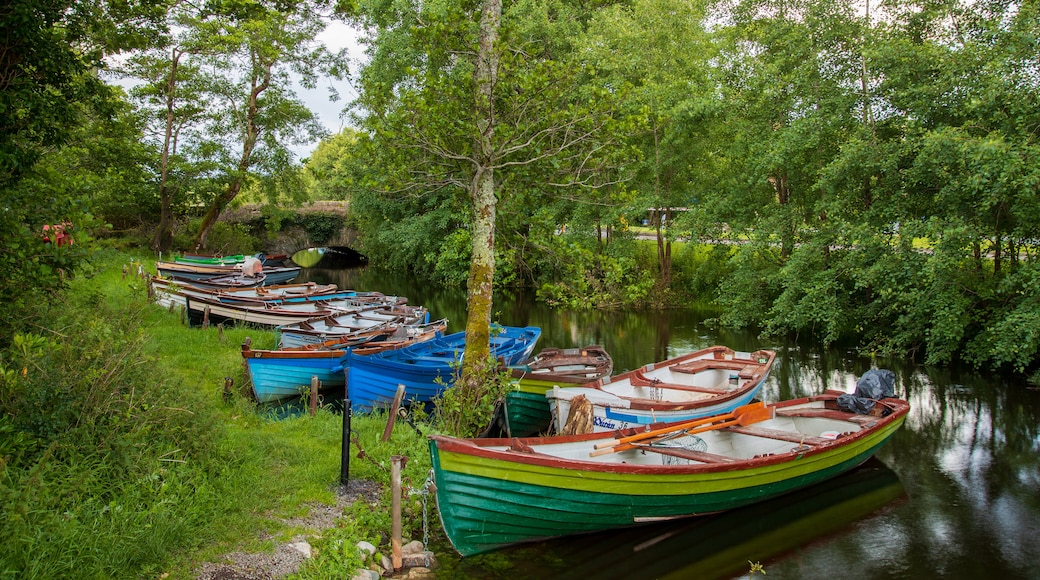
269 468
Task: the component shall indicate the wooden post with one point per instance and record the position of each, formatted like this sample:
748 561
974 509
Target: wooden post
393 413
397 464
315 385
205 317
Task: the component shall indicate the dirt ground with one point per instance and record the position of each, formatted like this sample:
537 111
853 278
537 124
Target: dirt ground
287 558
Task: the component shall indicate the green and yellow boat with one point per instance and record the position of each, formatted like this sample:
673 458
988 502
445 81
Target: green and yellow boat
493 493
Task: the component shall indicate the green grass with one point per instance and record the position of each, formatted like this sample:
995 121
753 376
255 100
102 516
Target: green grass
173 475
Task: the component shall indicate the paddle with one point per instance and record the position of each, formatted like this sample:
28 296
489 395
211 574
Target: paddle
687 425
743 415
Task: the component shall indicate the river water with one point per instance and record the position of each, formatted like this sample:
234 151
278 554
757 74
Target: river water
955 494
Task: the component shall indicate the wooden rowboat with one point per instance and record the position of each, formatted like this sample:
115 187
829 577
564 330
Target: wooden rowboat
285 373
496 492
426 369
225 282
698 384
211 260
282 374
368 310
333 326
524 411
273 275
173 291
718 547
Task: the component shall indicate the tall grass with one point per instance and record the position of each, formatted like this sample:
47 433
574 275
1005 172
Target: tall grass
119 456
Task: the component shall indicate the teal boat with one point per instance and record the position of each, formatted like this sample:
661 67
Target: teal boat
525 412
493 493
281 374
213 260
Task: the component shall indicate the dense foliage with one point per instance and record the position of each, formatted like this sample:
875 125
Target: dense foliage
868 172
865 173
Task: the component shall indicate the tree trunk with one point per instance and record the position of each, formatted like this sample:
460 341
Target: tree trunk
215 209
783 199
664 251
475 364
261 80
164 233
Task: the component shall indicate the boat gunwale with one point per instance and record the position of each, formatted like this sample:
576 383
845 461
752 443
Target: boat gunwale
481 448
748 385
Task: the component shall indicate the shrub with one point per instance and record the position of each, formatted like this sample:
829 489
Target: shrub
100 468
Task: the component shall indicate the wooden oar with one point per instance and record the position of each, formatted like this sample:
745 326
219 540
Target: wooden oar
681 426
745 415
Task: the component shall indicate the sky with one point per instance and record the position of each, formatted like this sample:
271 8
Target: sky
338 35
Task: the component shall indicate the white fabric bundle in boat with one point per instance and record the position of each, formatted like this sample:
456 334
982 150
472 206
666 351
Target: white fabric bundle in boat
251 267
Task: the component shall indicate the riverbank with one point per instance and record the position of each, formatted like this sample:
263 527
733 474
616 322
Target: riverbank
122 457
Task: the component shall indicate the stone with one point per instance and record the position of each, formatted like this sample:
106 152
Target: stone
366 574
421 560
366 547
387 564
420 573
413 547
302 547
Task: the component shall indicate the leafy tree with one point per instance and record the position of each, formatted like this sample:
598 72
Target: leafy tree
257 111
50 53
466 99
659 52
328 171
173 90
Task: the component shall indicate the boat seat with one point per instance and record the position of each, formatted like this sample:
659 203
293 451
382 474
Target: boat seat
777 434
701 456
638 380
864 420
696 366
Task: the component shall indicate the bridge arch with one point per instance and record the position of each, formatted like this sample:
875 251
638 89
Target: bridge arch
319 224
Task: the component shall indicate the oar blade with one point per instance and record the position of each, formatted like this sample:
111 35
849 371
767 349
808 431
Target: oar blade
756 415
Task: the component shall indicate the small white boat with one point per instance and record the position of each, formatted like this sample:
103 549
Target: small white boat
698 384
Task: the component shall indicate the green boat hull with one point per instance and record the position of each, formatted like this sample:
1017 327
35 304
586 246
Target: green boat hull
487 503
527 410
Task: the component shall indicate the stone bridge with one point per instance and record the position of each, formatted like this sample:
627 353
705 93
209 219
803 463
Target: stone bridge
317 224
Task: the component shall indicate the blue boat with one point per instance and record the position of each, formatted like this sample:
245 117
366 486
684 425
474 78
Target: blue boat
276 375
427 368
283 374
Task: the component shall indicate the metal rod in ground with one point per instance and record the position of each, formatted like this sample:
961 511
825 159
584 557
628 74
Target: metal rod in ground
397 463
344 464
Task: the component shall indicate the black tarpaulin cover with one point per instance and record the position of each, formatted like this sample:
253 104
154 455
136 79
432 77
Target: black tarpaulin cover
874 385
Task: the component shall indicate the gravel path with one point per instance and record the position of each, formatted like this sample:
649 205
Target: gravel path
287 557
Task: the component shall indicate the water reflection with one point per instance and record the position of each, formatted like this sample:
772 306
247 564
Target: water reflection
968 459
723 545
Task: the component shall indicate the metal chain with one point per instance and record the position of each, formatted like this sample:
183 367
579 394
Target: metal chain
424 491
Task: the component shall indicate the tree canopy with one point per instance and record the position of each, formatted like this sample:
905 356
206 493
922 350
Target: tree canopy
859 173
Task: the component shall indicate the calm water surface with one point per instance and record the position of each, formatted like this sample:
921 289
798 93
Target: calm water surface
955 494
